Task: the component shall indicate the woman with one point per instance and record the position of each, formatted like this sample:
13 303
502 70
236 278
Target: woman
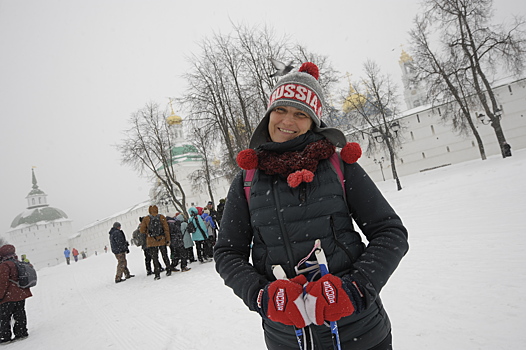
296 198
200 235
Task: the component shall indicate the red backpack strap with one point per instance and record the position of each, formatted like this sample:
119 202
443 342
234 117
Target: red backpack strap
248 176
338 166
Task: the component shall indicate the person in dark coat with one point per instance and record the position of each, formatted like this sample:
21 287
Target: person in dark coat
177 249
140 241
220 209
305 199
156 244
12 298
507 149
119 247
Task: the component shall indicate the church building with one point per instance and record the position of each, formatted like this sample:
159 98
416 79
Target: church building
41 231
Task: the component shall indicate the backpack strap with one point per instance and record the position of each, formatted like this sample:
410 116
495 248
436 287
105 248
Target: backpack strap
248 176
337 165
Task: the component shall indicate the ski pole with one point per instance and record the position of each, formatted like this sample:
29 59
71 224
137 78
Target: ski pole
280 274
324 269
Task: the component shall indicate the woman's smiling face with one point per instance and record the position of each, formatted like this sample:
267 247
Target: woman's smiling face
286 123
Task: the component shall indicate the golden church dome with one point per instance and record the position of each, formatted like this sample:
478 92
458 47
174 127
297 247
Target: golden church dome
353 101
405 57
174 119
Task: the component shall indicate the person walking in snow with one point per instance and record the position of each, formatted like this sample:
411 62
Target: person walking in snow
67 254
306 198
12 298
157 232
75 253
119 247
200 234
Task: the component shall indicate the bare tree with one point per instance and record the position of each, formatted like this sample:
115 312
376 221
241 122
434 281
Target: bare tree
229 84
203 177
446 79
148 149
466 28
374 107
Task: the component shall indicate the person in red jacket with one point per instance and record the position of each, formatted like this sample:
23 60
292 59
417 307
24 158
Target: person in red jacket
12 297
75 254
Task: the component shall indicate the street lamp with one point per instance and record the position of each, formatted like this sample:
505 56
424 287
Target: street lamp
379 137
482 118
395 126
380 162
486 120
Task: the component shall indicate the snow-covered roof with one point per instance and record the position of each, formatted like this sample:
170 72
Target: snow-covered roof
36 215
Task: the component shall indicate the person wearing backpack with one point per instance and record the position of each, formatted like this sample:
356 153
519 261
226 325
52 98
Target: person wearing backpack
187 238
178 252
119 247
300 212
157 232
200 235
12 298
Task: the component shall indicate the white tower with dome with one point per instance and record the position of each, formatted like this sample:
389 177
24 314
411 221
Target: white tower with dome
41 231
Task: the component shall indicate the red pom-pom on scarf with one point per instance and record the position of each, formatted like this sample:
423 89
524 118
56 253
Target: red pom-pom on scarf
310 68
351 152
300 176
247 159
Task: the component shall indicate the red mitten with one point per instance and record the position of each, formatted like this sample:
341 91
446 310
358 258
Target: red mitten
282 301
326 300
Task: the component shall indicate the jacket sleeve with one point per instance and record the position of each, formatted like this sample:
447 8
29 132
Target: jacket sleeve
4 279
166 228
384 230
144 225
232 250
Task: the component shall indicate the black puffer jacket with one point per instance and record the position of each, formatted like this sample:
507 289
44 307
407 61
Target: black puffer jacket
118 241
282 225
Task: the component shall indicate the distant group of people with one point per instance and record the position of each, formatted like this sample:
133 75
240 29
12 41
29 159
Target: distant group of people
75 253
156 233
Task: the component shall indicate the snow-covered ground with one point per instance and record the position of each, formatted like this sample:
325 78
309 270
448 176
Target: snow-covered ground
461 286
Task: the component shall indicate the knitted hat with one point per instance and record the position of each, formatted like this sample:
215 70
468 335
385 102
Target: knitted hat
301 90
7 251
116 224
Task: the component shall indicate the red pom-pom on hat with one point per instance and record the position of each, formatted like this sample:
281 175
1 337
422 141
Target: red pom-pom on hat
310 68
351 152
247 159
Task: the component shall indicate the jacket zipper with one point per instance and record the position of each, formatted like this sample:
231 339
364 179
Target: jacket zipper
284 232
